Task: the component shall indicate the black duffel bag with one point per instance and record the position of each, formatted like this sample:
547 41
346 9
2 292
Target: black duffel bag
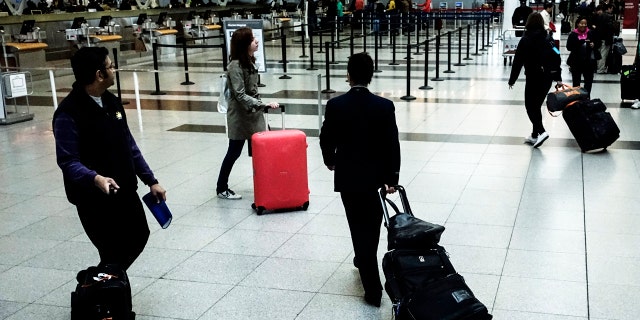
102 292
404 230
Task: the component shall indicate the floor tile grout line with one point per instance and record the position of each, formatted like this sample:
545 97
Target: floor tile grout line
586 252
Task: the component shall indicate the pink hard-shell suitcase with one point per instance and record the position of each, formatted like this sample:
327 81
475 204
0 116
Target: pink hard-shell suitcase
280 178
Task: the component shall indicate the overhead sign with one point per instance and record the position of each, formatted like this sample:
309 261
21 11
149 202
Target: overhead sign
229 26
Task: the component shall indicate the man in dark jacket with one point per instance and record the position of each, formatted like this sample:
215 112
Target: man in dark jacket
101 162
359 142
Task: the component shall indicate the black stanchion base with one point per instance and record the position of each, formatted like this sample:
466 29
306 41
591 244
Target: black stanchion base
320 51
261 85
125 102
489 45
408 98
334 62
405 58
187 83
284 77
467 59
476 54
394 64
328 91
158 93
483 49
437 79
417 53
281 61
377 71
459 64
303 56
448 71
425 87
312 69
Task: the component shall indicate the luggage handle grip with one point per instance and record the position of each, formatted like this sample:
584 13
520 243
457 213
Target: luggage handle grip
266 115
382 192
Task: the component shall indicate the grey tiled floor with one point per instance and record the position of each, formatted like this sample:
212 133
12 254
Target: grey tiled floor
546 233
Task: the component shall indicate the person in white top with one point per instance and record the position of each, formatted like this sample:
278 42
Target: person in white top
546 15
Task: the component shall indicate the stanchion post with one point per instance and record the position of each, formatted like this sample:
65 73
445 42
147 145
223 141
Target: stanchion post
460 48
311 66
351 42
477 35
408 97
115 61
468 41
186 64
418 25
437 78
154 48
328 73
449 54
284 56
333 47
482 38
393 50
426 85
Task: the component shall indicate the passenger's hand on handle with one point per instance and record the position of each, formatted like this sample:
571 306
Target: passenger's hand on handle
273 105
389 189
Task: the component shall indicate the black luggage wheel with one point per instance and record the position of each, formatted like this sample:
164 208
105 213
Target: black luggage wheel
260 210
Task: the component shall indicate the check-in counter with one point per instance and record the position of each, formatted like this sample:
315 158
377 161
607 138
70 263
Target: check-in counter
24 54
165 36
109 41
211 30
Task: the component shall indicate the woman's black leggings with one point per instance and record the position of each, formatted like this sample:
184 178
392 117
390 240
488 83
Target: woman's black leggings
535 90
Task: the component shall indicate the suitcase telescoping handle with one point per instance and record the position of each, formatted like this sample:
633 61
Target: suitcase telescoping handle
403 199
266 115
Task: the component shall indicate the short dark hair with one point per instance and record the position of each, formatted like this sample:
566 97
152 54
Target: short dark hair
360 68
548 5
86 61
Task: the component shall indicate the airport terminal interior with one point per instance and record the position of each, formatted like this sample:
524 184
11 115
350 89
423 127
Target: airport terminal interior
548 233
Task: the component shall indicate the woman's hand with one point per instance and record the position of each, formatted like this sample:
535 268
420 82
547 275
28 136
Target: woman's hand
273 105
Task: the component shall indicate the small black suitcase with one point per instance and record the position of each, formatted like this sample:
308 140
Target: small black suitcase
629 83
102 293
592 127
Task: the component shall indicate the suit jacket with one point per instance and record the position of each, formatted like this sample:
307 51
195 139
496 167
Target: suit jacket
360 138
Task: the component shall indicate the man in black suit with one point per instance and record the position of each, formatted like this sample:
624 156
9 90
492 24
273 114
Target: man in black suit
359 142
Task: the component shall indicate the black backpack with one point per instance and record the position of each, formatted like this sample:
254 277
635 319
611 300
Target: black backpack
550 59
102 293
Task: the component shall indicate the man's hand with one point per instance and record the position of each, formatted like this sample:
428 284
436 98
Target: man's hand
159 192
106 184
389 189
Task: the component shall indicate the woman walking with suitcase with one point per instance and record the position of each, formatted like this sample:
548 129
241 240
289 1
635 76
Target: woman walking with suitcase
244 114
538 81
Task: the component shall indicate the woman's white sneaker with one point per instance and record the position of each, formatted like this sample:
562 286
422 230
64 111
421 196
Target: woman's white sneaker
229 194
541 139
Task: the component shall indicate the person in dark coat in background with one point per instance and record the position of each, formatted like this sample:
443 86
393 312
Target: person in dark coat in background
538 82
584 46
520 15
101 162
359 142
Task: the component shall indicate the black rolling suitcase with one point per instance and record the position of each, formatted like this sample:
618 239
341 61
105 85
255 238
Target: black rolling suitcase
102 293
629 83
593 128
420 279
